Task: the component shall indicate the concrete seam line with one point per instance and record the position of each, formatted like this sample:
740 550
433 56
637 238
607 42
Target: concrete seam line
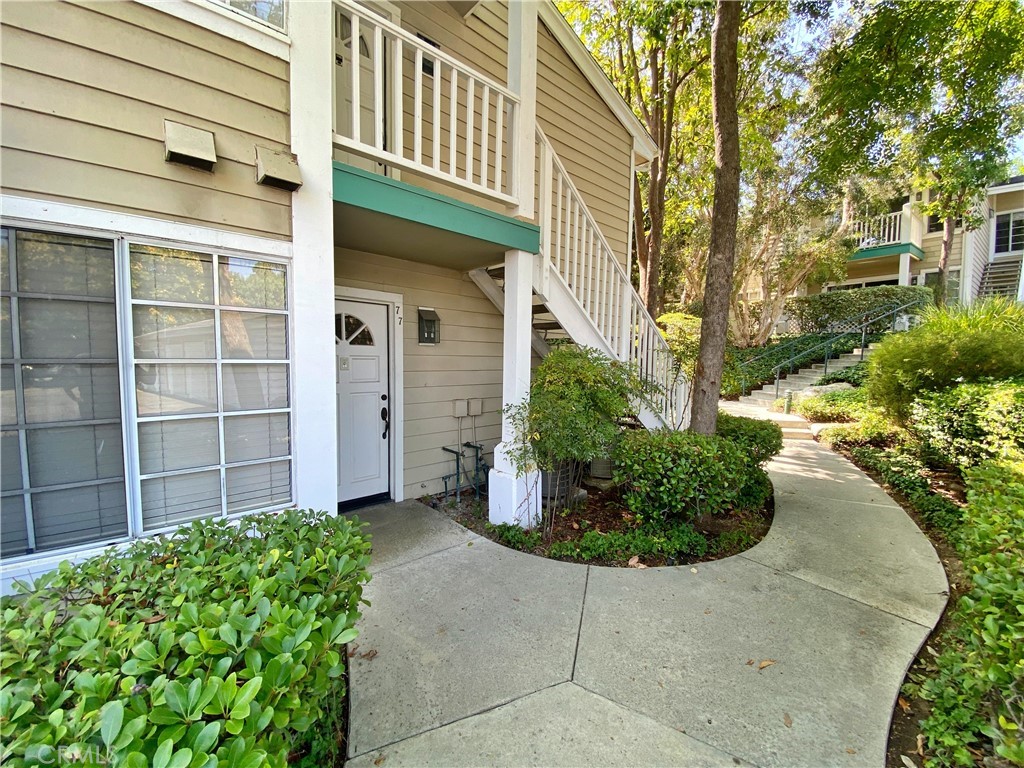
645 716
840 594
439 726
579 628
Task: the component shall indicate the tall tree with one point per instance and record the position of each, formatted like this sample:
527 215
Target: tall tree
652 50
933 88
707 381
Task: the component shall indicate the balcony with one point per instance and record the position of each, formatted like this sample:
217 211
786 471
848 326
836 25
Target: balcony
889 234
408 106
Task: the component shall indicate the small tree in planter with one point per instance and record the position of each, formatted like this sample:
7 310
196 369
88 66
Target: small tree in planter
571 417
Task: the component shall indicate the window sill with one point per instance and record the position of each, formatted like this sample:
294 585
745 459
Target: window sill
229 23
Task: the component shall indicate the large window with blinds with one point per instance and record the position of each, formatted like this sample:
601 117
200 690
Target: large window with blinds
1009 236
143 387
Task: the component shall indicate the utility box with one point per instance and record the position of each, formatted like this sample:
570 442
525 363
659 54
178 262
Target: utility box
476 406
460 408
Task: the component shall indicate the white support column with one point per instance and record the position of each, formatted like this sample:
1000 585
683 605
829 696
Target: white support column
522 81
314 441
905 269
514 499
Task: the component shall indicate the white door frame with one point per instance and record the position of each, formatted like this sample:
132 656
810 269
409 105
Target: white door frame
396 374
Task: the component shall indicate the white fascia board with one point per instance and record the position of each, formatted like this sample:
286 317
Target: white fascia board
227 22
644 145
1002 190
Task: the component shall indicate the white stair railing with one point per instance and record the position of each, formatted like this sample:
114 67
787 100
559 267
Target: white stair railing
581 258
878 230
403 102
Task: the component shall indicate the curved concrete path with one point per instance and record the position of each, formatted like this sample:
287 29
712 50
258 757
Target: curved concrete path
475 655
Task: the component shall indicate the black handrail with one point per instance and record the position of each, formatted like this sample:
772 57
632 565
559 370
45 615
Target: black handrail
892 309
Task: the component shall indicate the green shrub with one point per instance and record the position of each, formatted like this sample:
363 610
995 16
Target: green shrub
871 430
762 439
972 423
839 406
215 645
682 332
515 537
857 375
645 541
976 687
952 345
820 312
671 475
756 490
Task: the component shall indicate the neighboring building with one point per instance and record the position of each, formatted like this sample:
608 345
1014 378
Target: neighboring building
187 332
902 248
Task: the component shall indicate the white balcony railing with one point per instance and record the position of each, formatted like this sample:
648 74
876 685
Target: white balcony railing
583 260
879 230
409 105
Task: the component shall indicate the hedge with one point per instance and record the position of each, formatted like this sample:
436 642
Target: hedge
822 312
213 646
972 423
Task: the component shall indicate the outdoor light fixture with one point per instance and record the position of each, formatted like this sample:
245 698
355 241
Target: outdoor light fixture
429 325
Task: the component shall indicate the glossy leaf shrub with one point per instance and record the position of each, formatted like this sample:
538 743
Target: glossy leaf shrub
822 312
214 646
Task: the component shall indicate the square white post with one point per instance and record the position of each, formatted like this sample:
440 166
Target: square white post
905 269
513 498
315 441
522 81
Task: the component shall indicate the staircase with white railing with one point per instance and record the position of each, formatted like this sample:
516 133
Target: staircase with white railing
582 292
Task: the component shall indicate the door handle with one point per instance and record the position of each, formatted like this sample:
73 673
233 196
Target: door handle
387 422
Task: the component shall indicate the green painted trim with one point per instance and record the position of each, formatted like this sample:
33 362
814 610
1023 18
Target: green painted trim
359 188
894 249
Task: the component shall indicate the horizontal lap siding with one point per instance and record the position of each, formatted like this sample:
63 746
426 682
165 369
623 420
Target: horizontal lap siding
591 143
113 72
932 247
466 364
1008 201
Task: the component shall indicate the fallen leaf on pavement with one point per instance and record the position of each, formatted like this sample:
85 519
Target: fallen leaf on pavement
904 704
765 663
787 720
369 655
352 650
693 570
908 762
380 760
750 662
641 566
851 751
707 612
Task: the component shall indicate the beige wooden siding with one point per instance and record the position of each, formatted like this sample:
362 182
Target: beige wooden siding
1007 201
932 247
467 362
594 147
86 90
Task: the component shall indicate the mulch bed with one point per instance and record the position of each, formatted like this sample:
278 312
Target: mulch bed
605 511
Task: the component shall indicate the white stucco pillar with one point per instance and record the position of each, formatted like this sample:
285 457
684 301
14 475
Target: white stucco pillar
314 439
513 498
904 269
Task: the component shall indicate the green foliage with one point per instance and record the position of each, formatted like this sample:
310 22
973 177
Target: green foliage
682 332
821 312
975 686
674 540
756 490
323 745
952 345
215 645
873 430
671 475
857 375
760 438
839 406
576 399
515 537
972 423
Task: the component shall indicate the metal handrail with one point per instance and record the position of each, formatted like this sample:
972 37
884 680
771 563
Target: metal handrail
892 309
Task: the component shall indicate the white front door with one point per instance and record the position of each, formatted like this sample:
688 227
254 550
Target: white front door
362 363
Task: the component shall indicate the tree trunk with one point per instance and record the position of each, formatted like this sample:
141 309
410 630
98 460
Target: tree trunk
948 228
707 383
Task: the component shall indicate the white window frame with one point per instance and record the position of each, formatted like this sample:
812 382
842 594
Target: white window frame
229 22
1013 213
61 218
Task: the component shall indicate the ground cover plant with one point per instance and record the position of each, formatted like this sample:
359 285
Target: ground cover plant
857 375
836 406
217 645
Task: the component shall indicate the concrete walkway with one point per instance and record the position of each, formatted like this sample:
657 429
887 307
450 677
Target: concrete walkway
790 654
